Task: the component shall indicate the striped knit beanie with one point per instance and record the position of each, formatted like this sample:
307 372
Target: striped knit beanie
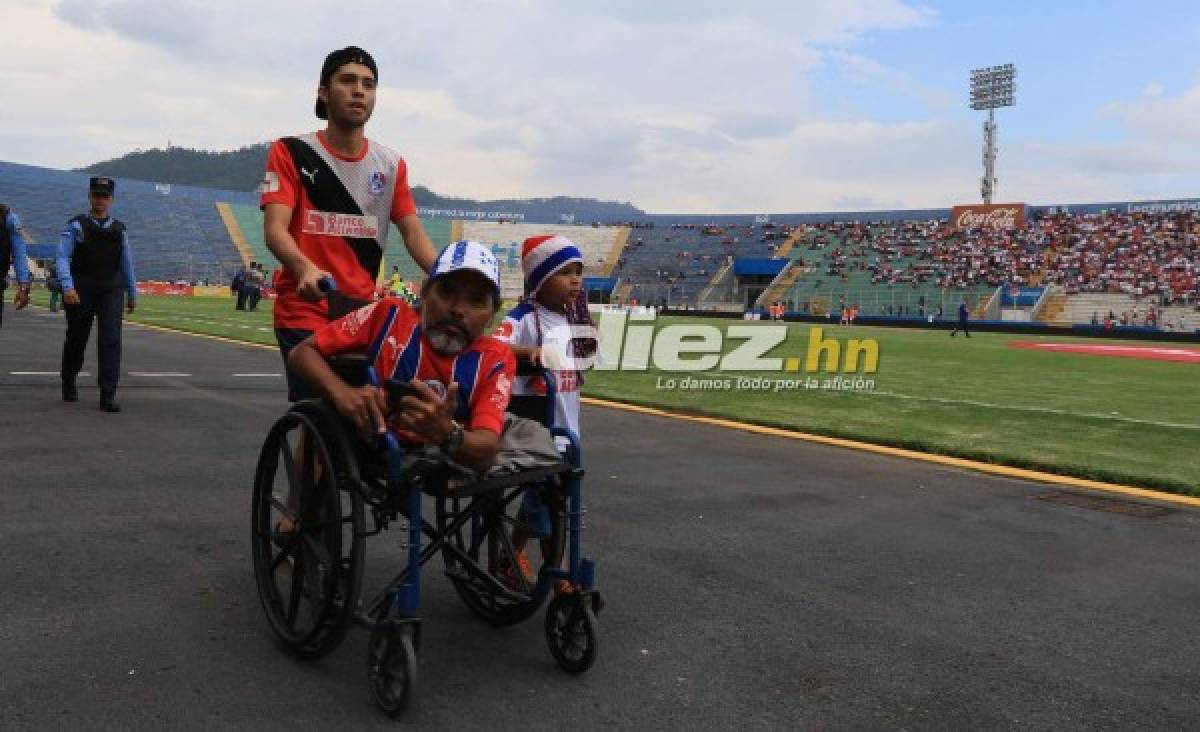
542 256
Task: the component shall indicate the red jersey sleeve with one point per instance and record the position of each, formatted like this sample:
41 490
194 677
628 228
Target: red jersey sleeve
280 183
402 200
494 390
353 333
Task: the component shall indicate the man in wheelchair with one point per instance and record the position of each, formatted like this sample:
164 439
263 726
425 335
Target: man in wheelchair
457 381
438 387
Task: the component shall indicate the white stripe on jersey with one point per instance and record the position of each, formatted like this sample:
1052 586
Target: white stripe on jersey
371 181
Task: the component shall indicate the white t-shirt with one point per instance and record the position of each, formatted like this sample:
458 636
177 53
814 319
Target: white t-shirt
531 324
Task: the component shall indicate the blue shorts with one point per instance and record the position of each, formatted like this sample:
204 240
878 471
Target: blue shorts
288 339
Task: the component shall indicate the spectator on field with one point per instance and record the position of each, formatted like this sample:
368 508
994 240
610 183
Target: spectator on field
53 286
256 278
241 285
963 315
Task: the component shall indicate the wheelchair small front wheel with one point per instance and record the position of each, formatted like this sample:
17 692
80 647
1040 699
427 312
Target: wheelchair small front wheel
571 632
392 666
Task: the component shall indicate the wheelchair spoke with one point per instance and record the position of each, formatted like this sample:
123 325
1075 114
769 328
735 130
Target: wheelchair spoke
289 462
308 466
282 508
297 583
283 554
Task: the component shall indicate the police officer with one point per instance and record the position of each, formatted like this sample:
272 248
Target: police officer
12 253
95 265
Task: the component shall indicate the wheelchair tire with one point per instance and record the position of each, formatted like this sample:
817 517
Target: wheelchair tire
321 562
491 551
392 667
571 632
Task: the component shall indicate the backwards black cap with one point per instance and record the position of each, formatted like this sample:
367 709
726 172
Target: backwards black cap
100 184
336 60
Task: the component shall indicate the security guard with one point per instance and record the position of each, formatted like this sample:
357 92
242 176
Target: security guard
95 265
12 253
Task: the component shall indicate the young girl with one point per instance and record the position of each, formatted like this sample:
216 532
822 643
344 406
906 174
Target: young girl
538 329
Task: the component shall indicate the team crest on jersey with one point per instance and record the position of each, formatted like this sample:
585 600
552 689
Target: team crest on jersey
378 182
502 394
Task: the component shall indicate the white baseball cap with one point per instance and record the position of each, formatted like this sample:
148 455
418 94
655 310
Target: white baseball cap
469 255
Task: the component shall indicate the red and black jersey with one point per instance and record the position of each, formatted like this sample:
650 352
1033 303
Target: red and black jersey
389 332
341 212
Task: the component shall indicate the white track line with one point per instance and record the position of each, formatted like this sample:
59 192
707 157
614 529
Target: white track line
158 373
42 373
259 375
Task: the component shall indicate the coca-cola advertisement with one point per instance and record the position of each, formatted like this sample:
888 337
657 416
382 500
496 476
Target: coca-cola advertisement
163 288
988 216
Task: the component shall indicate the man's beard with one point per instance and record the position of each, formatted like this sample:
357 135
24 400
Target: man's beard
448 340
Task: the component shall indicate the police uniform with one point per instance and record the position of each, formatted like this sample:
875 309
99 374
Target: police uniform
12 253
95 260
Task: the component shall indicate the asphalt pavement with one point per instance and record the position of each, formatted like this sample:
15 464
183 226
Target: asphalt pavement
752 582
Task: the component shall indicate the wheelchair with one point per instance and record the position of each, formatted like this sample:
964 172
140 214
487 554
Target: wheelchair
337 490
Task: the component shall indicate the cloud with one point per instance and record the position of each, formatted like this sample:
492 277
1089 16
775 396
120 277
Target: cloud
677 105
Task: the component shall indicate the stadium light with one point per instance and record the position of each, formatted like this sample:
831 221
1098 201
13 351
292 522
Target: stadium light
992 87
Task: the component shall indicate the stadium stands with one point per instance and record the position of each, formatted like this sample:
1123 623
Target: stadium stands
174 235
1133 259
248 223
672 264
600 245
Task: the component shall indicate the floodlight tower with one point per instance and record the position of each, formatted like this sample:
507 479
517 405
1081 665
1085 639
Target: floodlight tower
992 87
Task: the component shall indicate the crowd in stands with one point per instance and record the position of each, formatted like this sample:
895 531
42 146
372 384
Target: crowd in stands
1136 254
1132 254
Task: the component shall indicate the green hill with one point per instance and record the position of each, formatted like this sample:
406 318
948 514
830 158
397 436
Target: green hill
242 169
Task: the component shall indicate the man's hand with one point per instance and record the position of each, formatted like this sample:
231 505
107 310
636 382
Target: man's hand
21 298
363 405
429 415
308 287
130 305
70 297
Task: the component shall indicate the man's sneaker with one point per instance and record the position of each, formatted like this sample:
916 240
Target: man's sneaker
504 569
108 404
70 393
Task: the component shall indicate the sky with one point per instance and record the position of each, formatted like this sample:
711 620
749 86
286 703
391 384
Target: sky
678 106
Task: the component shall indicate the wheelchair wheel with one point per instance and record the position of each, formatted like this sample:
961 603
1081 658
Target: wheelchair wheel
308 578
392 666
571 632
493 584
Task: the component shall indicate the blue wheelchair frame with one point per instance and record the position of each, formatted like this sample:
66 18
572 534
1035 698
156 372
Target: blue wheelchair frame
357 471
400 601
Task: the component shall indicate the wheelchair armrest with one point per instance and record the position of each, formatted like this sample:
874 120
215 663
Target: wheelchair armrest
351 368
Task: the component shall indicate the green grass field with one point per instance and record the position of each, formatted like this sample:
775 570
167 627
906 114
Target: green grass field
1115 419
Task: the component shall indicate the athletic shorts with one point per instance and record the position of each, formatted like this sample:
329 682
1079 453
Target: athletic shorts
289 338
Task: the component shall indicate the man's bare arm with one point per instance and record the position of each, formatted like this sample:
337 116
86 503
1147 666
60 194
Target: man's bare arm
417 242
276 218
